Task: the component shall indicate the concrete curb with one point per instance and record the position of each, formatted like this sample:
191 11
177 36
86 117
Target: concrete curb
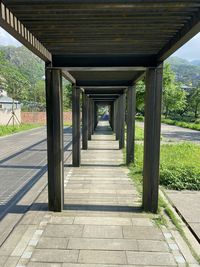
194 244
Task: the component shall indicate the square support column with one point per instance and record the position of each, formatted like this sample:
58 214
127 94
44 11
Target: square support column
130 121
84 121
76 147
89 119
152 124
121 111
117 119
55 139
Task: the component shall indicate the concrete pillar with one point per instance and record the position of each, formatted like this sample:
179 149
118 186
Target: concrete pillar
152 138
55 139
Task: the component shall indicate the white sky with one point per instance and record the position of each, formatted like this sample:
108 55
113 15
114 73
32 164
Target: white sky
190 51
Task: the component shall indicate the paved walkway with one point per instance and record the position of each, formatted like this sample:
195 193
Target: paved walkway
23 166
187 203
102 224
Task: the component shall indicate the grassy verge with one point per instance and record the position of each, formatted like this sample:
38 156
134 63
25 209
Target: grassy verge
6 130
179 165
183 124
189 125
139 133
67 123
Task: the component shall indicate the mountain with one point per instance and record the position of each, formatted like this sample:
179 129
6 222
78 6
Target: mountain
25 61
195 62
186 72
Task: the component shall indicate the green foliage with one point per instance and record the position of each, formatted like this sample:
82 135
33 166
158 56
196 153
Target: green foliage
174 98
179 165
186 72
140 94
6 130
193 126
67 96
139 118
139 133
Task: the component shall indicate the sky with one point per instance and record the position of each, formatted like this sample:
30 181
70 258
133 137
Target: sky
190 51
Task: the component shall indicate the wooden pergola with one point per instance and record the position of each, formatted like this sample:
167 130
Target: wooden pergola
103 47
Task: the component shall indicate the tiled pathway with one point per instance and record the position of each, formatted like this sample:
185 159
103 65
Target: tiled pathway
102 224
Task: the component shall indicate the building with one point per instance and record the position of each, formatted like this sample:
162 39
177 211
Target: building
10 110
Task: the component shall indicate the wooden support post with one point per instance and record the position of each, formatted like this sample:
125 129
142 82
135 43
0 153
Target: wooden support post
122 99
92 121
55 139
89 119
84 121
117 119
130 122
95 115
152 138
76 148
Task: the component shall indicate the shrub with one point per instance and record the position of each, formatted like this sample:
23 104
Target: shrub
179 165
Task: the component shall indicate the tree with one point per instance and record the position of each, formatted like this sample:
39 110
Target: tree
67 96
194 101
174 97
140 93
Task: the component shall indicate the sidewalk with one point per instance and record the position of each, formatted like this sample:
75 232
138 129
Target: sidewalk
102 223
187 204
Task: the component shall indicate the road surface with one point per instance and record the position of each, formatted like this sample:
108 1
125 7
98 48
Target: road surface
173 133
23 166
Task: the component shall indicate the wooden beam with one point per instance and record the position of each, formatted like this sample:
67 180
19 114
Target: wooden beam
152 138
185 34
84 121
83 69
76 148
68 76
12 25
118 60
55 140
130 122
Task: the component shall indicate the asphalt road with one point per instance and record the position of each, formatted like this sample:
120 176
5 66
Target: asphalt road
171 133
23 161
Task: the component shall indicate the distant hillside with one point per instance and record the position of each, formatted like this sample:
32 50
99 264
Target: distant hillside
27 63
196 62
186 72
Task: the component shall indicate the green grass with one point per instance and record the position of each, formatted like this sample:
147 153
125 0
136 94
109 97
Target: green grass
6 130
190 125
139 133
179 166
67 123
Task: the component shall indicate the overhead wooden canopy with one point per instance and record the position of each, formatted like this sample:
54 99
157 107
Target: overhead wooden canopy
107 33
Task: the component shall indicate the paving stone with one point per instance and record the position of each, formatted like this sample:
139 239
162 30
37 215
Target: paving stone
99 256
96 231
102 244
43 264
18 251
55 255
11 262
3 260
142 232
63 231
56 243
152 245
150 258
102 221
61 220
142 222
